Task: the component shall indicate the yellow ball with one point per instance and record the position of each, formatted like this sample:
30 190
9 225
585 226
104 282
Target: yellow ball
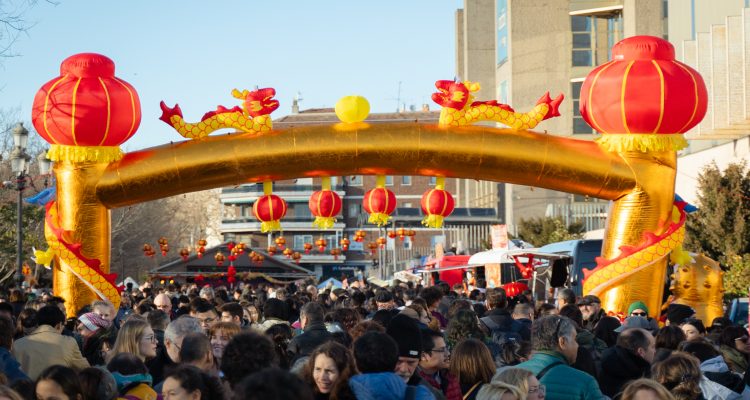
352 109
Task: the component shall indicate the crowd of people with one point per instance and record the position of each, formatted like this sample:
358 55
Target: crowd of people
361 342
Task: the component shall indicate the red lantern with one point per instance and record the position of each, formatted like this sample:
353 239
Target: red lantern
271 250
241 247
335 253
201 247
269 209
321 243
381 242
411 233
527 271
325 204
643 91
344 244
437 204
230 246
231 273
392 234
184 253
199 279
296 256
202 242
513 289
288 252
360 235
379 203
86 106
219 259
373 247
147 249
308 248
401 233
164 250
280 242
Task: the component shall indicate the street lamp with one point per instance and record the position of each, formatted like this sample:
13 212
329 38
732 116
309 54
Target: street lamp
19 164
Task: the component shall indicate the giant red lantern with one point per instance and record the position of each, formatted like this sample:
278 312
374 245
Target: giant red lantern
513 289
379 203
643 99
269 209
437 204
325 204
86 112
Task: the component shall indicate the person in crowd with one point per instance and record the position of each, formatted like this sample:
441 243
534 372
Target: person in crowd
275 312
204 311
196 351
94 329
639 309
590 347
735 347
545 309
718 381
8 364
680 373
183 306
272 383
26 323
565 296
629 359
596 320
251 314
164 303
499 390
524 380
376 355
645 389
678 313
405 331
45 346
346 317
555 349
6 393
97 383
207 293
499 321
220 334
472 364
170 354
693 328
17 299
432 296
246 353
668 338
132 377
456 306
464 325
281 335
135 337
188 382
717 326
364 327
314 332
159 320
328 370
635 321
234 313
512 353
58 382
524 313
435 363
105 309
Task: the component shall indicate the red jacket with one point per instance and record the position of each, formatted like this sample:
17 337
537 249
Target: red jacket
448 384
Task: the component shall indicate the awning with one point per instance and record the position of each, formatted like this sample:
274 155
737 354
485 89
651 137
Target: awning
501 256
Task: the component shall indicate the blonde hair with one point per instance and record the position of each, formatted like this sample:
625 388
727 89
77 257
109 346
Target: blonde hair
679 373
496 389
632 388
514 376
129 339
5 391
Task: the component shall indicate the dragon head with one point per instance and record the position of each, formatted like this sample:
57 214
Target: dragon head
258 102
454 94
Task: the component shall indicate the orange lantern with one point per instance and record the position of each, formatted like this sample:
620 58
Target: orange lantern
325 204
321 243
288 252
164 250
219 259
381 242
241 247
308 247
379 203
437 204
360 235
271 250
344 244
411 233
335 253
643 99
86 112
401 233
201 247
296 256
392 234
280 242
184 253
269 209
147 249
373 247
202 242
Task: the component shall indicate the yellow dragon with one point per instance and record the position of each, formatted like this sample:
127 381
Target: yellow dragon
87 270
253 117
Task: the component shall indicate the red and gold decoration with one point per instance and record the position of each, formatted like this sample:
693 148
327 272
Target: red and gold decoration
381 241
201 247
241 247
87 112
344 243
308 247
526 270
437 204
322 244
271 250
335 253
359 236
287 252
280 242
148 251
184 253
256 257
393 234
643 99
379 203
269 209
231 274
163 246
296 256
220 258
325 205
373 247
513 289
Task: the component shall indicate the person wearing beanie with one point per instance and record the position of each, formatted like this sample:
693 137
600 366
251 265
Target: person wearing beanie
678 313
90 323
639 309
405 331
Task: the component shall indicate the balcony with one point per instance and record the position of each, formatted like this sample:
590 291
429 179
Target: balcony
459 215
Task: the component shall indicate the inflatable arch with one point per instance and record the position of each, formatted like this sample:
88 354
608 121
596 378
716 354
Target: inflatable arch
633 166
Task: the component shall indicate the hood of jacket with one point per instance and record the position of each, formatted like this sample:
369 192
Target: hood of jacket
383 386
715 364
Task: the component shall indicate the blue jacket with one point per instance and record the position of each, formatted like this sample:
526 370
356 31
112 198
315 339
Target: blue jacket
563 382
10 367
384 386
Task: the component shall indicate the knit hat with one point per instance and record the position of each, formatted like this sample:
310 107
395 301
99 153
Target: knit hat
93 321
405 331
637 305
677 313
589 300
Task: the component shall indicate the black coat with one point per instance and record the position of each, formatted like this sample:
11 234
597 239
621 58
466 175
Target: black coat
505 323
303 344
620 366
603 327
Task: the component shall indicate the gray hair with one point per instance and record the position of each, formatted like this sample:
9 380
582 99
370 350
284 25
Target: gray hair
546 331
208 291
181 327
102 303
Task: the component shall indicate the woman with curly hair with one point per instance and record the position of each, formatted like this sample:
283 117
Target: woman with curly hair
328 371
680 373
463 326
645 389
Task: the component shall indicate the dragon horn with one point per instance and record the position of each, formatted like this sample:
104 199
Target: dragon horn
237 94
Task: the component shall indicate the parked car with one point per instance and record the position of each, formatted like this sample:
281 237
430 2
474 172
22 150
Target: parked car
738 311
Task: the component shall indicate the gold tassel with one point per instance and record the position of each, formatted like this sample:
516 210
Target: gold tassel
80 154
618 143
324 222
270 226
379 219
433 221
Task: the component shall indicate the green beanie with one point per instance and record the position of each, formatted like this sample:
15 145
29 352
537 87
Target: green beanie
637 305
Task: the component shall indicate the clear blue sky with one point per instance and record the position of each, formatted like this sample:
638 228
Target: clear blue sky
195 52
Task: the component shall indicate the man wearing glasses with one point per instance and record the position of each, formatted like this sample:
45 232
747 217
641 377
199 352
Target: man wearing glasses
204 312
639 309
596 320
434 364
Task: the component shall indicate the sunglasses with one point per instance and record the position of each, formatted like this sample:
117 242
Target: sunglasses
641 314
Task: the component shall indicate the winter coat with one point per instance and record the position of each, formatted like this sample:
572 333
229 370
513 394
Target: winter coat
714 391
717 371
563 382
140 392
736 361
603 327
303 344
499 320
384 386
10 367
448 384
263 326
46 347
662 354
620 366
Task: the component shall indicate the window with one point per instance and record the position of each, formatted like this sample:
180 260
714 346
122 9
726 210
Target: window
579 125
433 180
389 180
583 33
614 33
300 240
406 180
502 31
355 180
503 95
407 205
354 210
301 210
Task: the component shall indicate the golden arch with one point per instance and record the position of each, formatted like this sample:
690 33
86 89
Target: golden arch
640 184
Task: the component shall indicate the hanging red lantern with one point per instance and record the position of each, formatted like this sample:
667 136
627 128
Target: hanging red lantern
230 246
202 242
359 236
164 250
199 279
379 203
344 244
219 259
231 273
184 253
147 249
437 204
288 252
296 256
527 270
151 253
513 289
411 233
335 253
322 244
241 247
308 247
280 242
87 112
381 242
392 234
373 247
271 250
325 205
232 258
201 247
269 209
643 99
401 233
